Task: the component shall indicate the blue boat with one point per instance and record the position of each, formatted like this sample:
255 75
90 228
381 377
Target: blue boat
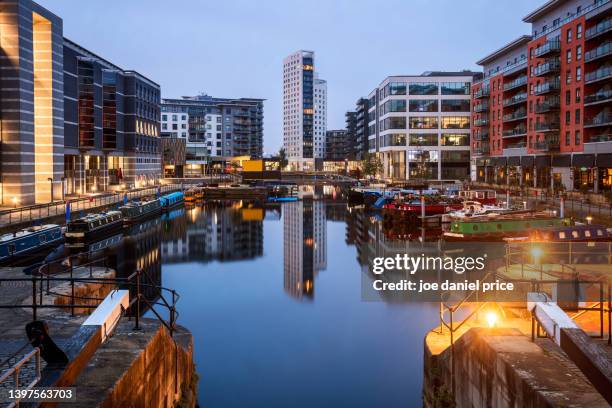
282 199
172 200
29 241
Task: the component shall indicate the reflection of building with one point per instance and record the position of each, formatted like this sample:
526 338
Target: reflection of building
216 234
305 245
215 130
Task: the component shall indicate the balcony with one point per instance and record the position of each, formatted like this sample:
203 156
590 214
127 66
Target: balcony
483 121
481 107
551 66
516 99
603 50
520 81
482 149
598 97
549 48
548 144
515 132
547 87
482 135
601 119
604 137
601 28
483 92
548 105
519 114
547 126
602 73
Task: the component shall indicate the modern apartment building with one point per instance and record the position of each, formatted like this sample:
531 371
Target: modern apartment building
72 122
304 111
336 144
419 125
357 131
542 112
215 130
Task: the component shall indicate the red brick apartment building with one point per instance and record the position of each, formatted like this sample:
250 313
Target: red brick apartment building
541 115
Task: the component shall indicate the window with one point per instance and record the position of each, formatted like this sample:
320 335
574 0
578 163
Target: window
568 97
455 139
579 53
455 88
567 138
394 88
394 139
420 139
455 122
568 34
579 30
455 105
423 105
568 56
577 94
423 88
568 117
394 105
578 73
577 116
568 77
577 137
394 123
423 122
164 126
164 117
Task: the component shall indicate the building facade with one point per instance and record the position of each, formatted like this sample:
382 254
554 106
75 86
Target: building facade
547 98
72 122
304 111
215 130
419 125
336 144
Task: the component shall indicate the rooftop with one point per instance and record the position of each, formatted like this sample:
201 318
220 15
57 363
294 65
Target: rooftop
512 45
542 10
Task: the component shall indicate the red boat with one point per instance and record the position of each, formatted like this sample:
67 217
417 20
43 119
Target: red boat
488 197
414 207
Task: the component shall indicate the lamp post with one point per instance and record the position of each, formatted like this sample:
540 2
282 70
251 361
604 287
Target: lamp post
51 186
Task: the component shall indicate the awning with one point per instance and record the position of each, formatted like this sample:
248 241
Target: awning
514 161
604 160
542 161
562 160
583 160
498 161
527 161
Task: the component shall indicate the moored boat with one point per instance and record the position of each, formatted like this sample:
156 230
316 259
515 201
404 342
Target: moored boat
190 195
571 233
140 210
29 241
171 200
91 226
475 209
433 205
488 197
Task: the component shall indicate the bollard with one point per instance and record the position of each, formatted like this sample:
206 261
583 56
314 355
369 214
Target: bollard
508 199
562 208
422 208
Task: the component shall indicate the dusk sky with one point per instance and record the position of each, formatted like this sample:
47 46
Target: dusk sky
235 48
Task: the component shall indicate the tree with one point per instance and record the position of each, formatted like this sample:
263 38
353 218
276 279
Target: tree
282 158
371 165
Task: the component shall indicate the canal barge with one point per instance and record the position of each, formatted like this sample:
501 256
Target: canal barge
433 206
140 210
29 241
571 233
169 201
92 226
488 197
486 228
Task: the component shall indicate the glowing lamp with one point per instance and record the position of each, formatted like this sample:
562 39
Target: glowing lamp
491 319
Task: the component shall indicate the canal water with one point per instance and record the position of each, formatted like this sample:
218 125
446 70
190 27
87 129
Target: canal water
273 298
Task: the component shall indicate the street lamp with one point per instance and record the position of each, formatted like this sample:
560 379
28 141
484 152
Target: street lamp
51 186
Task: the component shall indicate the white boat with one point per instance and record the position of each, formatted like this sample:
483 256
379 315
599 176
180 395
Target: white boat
474 209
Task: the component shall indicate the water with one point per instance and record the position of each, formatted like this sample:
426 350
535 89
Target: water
276 312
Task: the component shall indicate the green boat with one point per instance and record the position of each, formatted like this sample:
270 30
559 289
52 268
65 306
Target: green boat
500 227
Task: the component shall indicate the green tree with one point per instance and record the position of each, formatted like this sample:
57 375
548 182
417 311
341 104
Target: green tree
282 158
371 165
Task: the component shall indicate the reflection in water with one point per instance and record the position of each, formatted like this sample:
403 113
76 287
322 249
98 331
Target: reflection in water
304 244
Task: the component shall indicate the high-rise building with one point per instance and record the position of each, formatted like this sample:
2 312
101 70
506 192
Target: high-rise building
542 112
336 142
357 130
215 130
72 122
419 125
304 111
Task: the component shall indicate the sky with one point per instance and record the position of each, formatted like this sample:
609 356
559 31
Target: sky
235 48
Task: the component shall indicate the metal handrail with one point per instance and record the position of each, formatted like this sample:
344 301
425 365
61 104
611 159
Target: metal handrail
16 369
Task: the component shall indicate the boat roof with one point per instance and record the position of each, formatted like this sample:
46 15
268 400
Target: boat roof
97 216
27 231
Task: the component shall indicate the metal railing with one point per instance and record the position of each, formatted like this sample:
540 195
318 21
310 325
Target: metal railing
15 369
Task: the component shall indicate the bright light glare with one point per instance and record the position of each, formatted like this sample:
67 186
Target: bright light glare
491 319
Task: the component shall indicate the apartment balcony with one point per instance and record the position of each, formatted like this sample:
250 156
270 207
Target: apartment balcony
600 74
518 131
519 114
601 96
602 51
601 119
520 81
481 150
481 107
547 126
516 99
483 92
551 66
549 144
481 121
547 87
601 28
549 48
548 105
482 135
600 138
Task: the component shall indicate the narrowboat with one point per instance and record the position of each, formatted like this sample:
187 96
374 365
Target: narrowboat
475 209
486 228
172 200
488 197
433 206
87 228
140 210
29 241
571 233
